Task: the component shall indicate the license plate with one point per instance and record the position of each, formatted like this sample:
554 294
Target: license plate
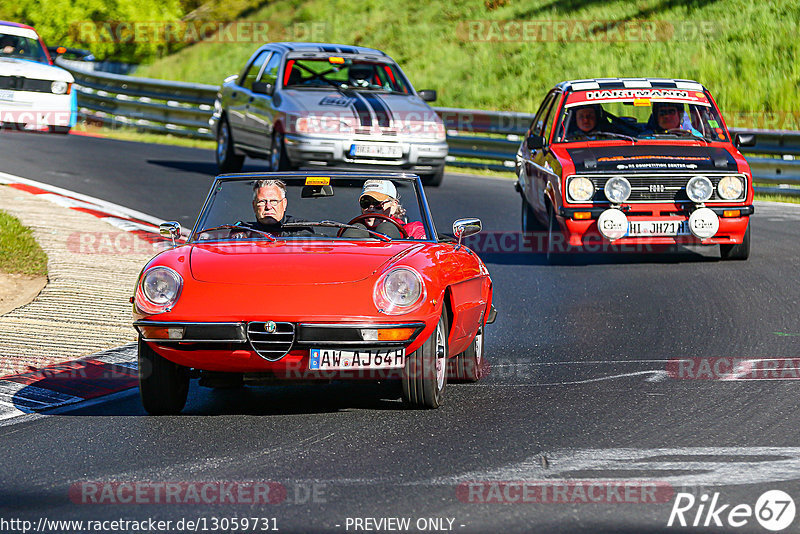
6 95
340 360
376 150
658 228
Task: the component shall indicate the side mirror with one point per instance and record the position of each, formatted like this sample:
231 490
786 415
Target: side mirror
744 140
428 95
535 142
263 88
171 229
466 227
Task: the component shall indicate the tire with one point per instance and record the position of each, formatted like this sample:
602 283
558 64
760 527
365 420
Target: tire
433 180
61 130
425 377
163 385
278 160
468 365
528 219
227 160
737 252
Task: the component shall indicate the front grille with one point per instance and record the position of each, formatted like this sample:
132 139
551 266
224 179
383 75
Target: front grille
271 346
656 188
20 83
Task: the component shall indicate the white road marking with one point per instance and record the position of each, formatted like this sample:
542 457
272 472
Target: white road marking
653 376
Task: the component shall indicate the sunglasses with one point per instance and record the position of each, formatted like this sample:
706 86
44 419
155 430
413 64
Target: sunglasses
369 202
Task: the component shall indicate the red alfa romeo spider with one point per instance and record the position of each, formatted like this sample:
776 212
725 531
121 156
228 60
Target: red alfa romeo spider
308 277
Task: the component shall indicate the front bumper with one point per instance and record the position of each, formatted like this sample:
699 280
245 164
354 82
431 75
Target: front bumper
421 157
583 232
35 111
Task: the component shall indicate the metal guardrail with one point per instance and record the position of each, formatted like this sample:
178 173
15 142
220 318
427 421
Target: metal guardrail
477 138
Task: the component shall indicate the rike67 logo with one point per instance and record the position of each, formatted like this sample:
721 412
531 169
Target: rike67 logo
774 510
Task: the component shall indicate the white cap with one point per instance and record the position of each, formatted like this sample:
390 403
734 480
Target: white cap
379 189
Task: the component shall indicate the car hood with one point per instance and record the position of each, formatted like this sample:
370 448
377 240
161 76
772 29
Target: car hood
365 106
292 263
648 158
32 69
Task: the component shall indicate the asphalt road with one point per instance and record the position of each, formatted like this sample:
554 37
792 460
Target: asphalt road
579 390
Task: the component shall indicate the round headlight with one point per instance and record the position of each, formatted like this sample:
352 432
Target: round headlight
399 290
59 88
730 187
699 189
617 189
161 286
581 189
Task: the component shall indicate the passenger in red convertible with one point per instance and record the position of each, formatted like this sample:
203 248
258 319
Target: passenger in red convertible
380 197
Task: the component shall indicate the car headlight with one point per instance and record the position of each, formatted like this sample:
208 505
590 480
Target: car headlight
699 189
160 287
617 189
581 189
399 291
59 88
730 187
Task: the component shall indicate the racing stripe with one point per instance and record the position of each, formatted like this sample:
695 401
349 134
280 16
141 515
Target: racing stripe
379 108
361 109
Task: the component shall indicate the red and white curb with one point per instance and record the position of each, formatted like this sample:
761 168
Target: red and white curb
105 373
66 383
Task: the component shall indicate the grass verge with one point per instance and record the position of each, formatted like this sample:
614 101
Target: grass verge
19 251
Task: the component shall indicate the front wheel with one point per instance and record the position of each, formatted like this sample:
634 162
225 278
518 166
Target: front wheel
278 160
557 248
163 385
425 374
528 219
62 130
433 180
737 252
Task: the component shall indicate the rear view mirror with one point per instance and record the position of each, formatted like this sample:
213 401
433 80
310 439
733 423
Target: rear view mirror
428 95
743 139
263 88
316 191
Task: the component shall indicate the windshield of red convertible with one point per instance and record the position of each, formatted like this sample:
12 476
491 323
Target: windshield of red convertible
639 114
316 207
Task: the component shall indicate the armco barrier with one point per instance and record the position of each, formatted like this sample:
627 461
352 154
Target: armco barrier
477 138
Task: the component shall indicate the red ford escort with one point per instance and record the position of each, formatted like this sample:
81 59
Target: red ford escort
634 161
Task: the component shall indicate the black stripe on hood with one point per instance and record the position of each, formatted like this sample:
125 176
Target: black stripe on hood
381 110
651 158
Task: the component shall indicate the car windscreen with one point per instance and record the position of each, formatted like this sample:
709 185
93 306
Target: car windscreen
17 46
314 208
344 74
639 114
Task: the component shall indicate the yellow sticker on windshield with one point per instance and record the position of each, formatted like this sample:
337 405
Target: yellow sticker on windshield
641 101
318 180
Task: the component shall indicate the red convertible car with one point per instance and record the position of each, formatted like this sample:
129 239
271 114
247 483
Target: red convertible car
637 162
310 277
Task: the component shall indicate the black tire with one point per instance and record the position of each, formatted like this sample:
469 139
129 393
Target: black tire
163 385
528 219
278 160
227 159
425 376
737 252
468 366
61 130
433 180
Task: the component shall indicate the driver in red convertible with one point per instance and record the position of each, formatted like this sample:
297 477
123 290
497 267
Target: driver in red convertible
380 197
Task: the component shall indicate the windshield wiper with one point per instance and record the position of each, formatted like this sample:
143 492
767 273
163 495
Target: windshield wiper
682 132
617 135
335 224
237 227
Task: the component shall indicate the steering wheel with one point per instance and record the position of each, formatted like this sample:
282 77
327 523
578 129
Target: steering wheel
364 216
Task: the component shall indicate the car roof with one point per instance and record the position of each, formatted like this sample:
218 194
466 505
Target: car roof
15 24
629 83
326 47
